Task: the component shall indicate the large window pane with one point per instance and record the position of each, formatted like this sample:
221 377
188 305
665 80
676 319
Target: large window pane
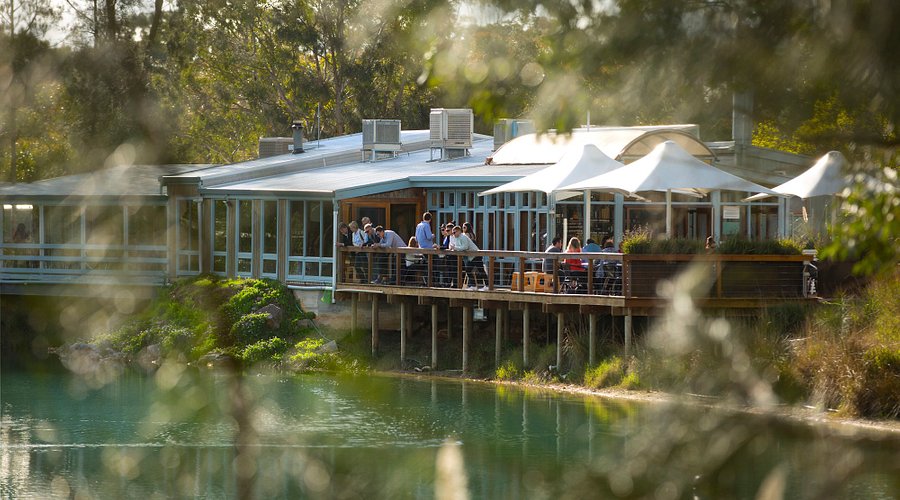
63 225
104 225
298 220
270 227
245 226
147 225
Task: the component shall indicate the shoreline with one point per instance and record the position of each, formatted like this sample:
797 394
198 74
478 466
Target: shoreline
822 419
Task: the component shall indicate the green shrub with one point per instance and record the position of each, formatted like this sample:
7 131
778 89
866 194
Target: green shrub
251 328
507 371
740 245
637 241
606 374
530 377
630 381
309 353
265 350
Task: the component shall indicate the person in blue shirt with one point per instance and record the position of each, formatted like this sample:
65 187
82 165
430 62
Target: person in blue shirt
424 236
590 246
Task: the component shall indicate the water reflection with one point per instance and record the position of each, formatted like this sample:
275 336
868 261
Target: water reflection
174 435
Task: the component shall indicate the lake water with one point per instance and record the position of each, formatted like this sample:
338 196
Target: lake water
177 434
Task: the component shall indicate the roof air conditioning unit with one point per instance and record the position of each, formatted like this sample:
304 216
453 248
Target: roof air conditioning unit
508 129
451 128
381 135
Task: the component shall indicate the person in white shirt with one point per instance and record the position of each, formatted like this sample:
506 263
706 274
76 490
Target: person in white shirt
459 242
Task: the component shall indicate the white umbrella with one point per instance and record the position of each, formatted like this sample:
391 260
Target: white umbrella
823 178
576 165
668 167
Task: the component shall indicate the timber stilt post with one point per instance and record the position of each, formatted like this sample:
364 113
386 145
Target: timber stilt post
498 337
592 339
467 334
434 336
404 330
354 307
374 326
628 332
526 331
560 326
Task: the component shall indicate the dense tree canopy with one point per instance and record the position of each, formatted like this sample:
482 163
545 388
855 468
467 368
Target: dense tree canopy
186 81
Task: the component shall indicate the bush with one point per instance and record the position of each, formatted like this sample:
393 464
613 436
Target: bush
740 245
606 374
251 328
879 390
507 371
641 241
265 350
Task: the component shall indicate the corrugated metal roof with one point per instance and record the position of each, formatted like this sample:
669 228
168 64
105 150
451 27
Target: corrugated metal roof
331 151
358 178
121 181
633 142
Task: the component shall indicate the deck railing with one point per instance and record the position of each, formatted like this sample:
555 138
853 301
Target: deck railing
603 274
76 263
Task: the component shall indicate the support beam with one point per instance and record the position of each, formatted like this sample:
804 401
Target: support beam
526 331
628 332
467 334
560 326
354 309
498 337
592 339
434 336
404 328
374 326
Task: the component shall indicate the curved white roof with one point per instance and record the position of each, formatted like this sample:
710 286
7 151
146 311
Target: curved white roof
621 143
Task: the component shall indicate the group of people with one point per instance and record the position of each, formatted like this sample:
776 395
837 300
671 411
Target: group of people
573 270
452 237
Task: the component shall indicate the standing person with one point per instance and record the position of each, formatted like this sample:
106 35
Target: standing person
460 242
344 239
469 231
424 236
386 238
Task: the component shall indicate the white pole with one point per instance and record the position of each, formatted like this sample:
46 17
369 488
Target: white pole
668 213
587 218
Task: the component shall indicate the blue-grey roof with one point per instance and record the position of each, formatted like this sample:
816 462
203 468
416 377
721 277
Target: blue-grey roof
114 182
359 178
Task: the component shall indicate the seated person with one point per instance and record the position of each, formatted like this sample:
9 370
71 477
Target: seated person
574 270
415 263
555 247
591 246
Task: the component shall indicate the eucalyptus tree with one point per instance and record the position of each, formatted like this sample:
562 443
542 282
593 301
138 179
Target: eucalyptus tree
24 79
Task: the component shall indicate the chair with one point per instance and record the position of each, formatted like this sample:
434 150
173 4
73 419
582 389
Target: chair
612 278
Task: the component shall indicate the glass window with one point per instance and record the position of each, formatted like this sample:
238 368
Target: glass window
298 219
104 225
147 225
21 223
245 226
63 225
220 226
270 227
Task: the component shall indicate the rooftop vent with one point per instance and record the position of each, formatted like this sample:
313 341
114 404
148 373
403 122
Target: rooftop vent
381 136
451 131
297 127
508 129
